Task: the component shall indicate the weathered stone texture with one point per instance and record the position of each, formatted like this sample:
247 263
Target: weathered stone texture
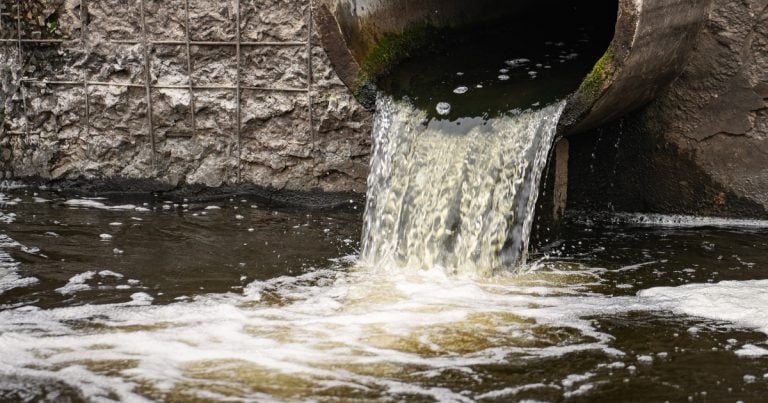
283 144
702 146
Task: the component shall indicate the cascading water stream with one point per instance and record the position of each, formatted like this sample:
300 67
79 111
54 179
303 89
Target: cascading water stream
464 202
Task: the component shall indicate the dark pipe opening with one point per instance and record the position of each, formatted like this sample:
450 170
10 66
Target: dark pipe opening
526 56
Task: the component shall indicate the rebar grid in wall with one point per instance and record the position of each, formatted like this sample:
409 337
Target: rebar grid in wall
147 85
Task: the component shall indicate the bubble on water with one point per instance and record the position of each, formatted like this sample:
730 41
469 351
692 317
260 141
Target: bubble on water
479 86
645 359
239 217
504 71
749 378
533 73
443 108
118 251
503 77
141 298
461 90
517 62
751 350
460 73
77 283
110 273
105 237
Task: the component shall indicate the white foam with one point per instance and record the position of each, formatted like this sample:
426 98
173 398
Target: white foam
517 62
325 329
95 204
461 90
330 328
7 218
77 283
751 350
110 273
9 276
744 303
443 108
673 221
11 185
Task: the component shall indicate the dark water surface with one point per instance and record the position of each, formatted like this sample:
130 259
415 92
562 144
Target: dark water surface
502 67
235 301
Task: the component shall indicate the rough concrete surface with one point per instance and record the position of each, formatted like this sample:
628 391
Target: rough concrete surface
52 132
702 146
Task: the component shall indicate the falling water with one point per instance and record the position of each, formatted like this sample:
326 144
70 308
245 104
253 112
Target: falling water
464 202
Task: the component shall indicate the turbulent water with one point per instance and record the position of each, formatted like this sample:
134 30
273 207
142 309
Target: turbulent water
458 198
149 300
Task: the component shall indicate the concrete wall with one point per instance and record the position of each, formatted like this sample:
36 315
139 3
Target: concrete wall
300 129
701 147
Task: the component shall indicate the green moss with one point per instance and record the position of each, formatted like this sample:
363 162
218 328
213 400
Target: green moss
52 26
389 50
596 79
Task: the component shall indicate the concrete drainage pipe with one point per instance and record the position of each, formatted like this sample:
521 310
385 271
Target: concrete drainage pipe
650 42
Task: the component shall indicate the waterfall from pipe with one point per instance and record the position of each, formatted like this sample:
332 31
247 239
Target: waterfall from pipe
461 201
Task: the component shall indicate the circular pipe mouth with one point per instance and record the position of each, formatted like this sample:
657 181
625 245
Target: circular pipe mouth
649 45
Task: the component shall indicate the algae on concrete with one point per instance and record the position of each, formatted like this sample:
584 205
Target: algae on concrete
391 49
594 82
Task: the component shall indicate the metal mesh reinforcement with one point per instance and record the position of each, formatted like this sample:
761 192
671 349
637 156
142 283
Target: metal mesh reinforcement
12 10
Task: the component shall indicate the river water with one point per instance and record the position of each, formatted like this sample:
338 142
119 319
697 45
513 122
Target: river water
115 299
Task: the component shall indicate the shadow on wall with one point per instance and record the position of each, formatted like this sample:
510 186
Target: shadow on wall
701 147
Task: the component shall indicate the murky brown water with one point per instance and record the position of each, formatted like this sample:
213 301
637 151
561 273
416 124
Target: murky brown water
234 301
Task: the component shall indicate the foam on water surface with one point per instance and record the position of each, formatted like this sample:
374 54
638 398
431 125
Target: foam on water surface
363 332
664 220
9 276
744 303
96 204
324 330
360 331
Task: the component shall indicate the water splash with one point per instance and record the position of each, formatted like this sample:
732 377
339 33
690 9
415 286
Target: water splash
463 202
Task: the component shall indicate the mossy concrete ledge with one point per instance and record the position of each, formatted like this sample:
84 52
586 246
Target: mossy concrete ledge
652 40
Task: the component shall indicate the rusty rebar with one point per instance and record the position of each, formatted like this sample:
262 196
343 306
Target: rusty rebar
148 83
